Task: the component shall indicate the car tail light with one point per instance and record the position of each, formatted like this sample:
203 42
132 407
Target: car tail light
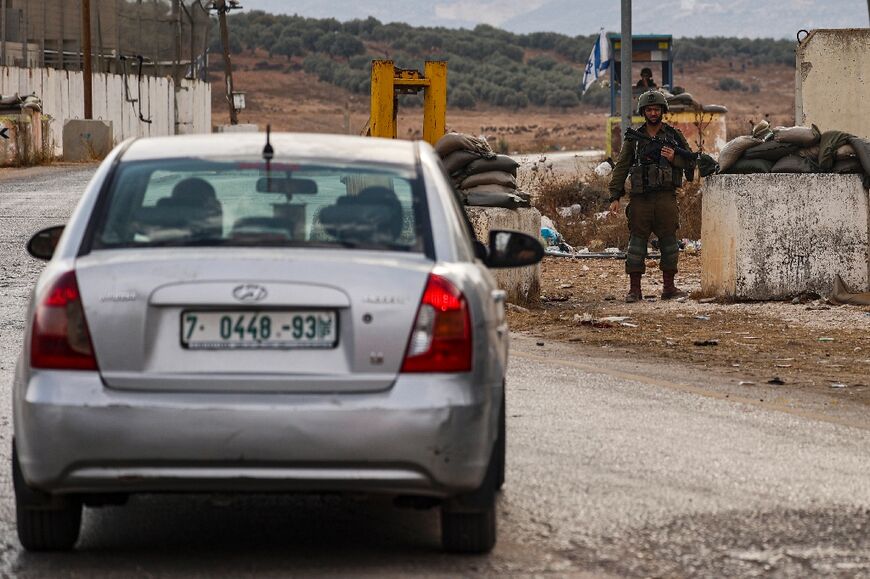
60 339
441 339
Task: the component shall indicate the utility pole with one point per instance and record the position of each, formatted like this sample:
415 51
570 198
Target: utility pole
86 59
625 57
868 7
176 59
222 7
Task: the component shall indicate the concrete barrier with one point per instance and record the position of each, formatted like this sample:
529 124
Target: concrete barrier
85 140
522 284
773 236
832 78
27 140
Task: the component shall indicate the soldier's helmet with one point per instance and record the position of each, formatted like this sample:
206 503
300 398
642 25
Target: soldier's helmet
651 97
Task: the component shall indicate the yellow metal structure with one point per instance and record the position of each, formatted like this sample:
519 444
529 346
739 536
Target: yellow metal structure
388 82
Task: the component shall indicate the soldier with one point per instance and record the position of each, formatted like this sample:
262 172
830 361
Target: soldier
656 173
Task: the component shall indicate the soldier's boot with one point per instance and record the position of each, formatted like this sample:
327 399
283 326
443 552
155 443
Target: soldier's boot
634 293
671 291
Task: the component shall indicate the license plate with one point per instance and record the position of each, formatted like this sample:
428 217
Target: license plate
229 330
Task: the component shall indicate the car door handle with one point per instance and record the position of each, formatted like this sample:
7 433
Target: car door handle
499 296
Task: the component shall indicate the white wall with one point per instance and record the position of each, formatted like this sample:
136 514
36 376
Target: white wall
773 236
833 81
63 98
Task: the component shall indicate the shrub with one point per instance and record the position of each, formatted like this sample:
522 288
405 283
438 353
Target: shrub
728 84
463 98
563 99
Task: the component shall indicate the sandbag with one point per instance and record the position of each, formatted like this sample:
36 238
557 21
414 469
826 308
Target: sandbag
862 152
458 160
803 136
681 99
828 145
794 164
457 141
810 152
490 178
492 189
844 152
714 109
847 165
762 131
746 166
495 199
771 151
733 150
678 108
499 163
841 296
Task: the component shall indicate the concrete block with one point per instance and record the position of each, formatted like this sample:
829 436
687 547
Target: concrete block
773 236
87 140
522 284
26 141
240 128
832 80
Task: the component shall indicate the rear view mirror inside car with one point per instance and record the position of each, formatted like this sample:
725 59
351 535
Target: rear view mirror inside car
43 243
286 186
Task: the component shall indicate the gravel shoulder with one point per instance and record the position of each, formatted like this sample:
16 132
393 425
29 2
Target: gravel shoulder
805 346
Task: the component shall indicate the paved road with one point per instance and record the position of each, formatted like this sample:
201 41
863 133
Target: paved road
616 468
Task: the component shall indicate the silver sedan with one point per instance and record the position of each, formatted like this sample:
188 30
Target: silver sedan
244 313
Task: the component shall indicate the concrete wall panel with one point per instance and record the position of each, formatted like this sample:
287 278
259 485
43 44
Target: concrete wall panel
772 236
832 80
63 99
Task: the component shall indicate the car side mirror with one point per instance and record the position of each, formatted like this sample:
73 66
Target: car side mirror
512 249
43 243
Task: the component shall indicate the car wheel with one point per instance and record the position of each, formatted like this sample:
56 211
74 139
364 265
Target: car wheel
468 522
44 523
501 443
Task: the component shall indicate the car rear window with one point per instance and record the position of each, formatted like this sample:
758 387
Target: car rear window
196 202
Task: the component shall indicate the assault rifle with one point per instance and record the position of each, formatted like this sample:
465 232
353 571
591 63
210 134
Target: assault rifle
635 135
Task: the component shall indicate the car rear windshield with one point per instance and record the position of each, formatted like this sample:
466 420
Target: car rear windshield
196 202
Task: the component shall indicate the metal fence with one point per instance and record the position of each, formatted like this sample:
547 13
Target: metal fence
156 37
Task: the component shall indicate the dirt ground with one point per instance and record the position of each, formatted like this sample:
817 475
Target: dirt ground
805 345
291 100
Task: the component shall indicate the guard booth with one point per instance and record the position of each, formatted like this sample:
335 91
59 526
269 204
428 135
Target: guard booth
655 51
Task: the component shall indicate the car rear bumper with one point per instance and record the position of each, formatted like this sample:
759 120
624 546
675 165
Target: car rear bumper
427 435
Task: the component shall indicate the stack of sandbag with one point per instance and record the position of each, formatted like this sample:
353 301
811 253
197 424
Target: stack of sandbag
482 178
18 103
680 101
796 150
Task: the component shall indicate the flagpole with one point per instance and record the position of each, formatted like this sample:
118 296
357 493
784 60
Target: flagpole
626 59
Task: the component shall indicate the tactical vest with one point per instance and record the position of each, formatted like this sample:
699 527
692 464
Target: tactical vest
650 172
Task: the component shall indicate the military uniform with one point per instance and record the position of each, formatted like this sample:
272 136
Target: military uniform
652 206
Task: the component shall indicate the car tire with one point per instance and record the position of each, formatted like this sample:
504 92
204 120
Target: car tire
468 522
44 523
468 532
501 443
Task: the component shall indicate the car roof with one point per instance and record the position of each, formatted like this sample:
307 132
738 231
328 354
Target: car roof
286 145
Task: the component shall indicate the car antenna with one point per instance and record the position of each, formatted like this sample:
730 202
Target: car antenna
268 155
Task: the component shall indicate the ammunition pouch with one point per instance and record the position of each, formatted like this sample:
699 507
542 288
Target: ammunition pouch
650 178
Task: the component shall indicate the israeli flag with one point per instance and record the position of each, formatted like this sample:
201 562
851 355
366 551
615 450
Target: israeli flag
598 62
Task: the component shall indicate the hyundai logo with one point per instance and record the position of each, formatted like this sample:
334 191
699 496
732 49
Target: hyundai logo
250 292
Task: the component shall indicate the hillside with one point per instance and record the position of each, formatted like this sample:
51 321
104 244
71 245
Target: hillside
521 90
488 66
298 101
